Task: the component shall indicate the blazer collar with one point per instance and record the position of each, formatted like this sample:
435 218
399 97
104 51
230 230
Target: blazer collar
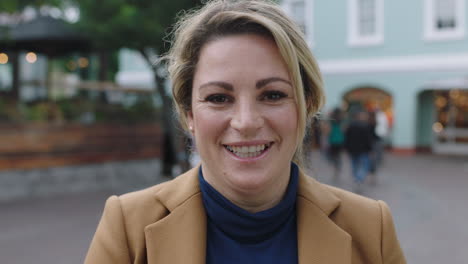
320 240
180 237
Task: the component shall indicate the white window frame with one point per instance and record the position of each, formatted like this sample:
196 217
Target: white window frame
431 33
308 15
354 39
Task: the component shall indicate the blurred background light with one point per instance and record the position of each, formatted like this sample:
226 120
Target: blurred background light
31 57
437 127
454 93
3 58
83 62
71 65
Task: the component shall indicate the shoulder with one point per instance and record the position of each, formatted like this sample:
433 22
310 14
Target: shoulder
156 201
370 224
354 207
353 213
120 233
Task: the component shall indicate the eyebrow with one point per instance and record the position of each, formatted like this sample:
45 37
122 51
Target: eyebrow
258 85
224 85
266 81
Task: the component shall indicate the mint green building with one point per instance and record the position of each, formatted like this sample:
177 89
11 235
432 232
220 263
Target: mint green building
409 58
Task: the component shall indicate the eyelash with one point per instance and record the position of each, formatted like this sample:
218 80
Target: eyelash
217 98
271 96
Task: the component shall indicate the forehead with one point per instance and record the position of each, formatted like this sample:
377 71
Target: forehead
240 56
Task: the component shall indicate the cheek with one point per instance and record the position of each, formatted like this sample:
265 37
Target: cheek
208 123
285 118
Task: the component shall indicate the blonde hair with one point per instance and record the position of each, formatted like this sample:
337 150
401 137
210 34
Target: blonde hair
220 18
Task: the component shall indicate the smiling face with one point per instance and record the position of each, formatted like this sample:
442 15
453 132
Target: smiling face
244 119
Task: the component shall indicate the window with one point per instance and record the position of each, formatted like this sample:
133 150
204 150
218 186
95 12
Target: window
298 13
444 19
365 22
301 11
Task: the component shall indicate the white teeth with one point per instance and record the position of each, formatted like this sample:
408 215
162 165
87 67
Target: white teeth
247 151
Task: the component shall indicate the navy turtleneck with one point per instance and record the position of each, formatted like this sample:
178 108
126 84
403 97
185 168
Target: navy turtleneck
235 235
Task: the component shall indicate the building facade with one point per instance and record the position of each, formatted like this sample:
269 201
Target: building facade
409 58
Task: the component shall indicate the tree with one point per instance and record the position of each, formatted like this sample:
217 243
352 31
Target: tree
141 25
16 6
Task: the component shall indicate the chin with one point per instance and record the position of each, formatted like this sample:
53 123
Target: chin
249 181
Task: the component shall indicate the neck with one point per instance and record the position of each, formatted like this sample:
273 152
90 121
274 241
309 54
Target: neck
256 199
254 205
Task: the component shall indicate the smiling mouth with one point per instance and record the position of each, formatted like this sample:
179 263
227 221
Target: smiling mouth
248 151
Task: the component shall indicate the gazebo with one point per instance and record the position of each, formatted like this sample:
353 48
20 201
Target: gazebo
44 35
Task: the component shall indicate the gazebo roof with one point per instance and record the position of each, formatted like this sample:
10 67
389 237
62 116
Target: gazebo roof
44 35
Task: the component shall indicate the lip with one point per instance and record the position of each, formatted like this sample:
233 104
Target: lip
249 143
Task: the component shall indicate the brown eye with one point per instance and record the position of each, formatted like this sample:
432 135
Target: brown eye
273 95
217 98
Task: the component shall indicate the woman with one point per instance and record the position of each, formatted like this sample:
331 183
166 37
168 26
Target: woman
244 84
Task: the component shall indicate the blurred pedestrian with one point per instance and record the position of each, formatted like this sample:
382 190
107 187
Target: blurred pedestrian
379 128
358 143
316 133
319 135
373 155
335 141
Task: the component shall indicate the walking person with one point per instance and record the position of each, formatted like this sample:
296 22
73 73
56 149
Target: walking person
373 153
358 143
336 141
379 128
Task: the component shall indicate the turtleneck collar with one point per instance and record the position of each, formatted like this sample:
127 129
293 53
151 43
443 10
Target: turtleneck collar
243 226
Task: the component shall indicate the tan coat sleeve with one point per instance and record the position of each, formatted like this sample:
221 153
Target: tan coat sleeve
391 250
109 244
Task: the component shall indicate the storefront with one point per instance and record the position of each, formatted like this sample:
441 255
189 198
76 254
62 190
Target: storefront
450 129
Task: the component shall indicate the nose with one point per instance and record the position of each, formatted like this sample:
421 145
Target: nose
247 118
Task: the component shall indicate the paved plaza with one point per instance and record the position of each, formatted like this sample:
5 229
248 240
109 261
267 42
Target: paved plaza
427 195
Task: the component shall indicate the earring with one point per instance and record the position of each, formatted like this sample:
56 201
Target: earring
191 128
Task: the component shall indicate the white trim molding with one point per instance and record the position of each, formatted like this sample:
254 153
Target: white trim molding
439 62
355 39
447 84
432 33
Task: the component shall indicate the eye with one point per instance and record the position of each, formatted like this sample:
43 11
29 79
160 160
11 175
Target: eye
217 98
273 95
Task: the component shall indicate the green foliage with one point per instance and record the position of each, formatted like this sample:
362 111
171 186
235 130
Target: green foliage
73 109
9 111
14 6
80 110
143 111
135 24
3 115
36 113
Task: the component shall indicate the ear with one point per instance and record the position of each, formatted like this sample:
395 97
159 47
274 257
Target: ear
190 123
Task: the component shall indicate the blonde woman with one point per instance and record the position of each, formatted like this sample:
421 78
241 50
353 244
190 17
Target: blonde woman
245 85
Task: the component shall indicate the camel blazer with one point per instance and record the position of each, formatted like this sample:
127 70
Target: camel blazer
166 223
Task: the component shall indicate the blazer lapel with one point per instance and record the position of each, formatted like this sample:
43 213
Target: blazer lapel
320 240
179 237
